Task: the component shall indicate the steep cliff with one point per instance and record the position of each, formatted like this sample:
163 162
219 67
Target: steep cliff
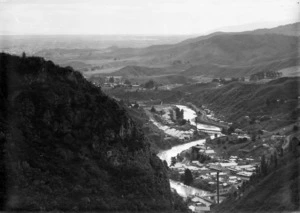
70 147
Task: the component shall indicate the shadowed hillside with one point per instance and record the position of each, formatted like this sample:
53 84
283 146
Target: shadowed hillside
70 147
277 99
276 192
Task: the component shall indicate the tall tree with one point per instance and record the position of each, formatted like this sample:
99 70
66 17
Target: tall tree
188 177
173 161
263 165
275 160
111 80
153 109
149 84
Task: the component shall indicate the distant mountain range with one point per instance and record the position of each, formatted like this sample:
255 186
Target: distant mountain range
220 54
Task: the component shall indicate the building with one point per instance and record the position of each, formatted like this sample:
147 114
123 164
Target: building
210 153
230 164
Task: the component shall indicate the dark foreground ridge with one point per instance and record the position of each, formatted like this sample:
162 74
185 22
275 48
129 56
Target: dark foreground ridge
70 147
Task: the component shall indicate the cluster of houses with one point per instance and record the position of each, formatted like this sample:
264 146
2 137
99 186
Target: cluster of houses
235 137
265 75
118 81
230 173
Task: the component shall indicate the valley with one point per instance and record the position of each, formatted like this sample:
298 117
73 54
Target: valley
152 123
234 148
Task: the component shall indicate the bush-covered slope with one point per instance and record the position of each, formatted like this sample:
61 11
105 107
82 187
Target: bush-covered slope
137 71
70 147
213 70
278 99
277 192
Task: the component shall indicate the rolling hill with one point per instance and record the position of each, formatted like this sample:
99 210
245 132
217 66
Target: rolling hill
215 55
223 49
225 71
277 99
138 71
222 54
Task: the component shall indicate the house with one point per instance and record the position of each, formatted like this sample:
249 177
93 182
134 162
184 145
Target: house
114 79
204 201
196 163
277 137
135 86
246 167
210 152
230 164
239 131
244 175
233 170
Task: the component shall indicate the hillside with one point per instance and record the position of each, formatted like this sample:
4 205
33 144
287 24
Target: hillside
225 71
277 192
220 54
69 147
137 71
289 29
277 100
223 49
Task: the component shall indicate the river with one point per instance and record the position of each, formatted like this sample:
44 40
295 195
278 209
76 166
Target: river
168 154
183 190
191 115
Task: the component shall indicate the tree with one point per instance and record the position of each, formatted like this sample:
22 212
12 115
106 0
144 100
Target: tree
224 131
293 146
260 132
253 137
188 177
263 165
295 128
165 164
173 161
181 114
153 110
127 82
182 122
111 80
275 160
23 55
177 113
281 151
149 84
230 130
136 105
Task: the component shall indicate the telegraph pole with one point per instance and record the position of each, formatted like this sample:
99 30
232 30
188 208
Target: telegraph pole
218 194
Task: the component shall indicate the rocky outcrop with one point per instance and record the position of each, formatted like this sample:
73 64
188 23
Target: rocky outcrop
70 147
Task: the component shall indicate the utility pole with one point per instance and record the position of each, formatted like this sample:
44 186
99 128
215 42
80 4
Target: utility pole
218 169
218 194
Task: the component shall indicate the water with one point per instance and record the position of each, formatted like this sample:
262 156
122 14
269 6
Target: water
175 150
183 190
190 114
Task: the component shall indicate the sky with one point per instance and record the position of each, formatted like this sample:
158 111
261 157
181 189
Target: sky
143 17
